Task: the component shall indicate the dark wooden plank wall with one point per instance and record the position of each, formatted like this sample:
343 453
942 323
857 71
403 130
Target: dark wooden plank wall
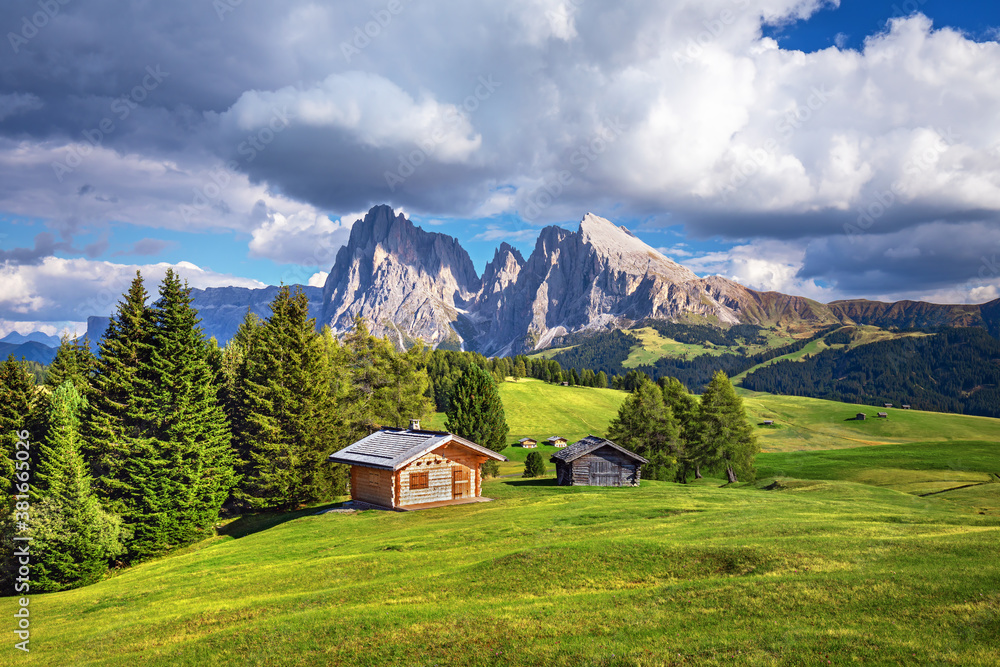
619 470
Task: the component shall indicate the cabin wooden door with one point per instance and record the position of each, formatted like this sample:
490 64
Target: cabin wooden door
604 473
460 482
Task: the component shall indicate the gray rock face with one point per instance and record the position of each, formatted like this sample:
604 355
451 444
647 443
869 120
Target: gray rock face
408 284
599 277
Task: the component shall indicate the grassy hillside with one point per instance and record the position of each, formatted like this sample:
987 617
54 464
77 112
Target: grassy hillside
823 571
862 335
538 410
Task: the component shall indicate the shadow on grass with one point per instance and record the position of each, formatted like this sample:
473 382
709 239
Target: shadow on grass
535 481
248 524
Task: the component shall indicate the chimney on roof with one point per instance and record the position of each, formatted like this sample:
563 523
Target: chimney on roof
414 424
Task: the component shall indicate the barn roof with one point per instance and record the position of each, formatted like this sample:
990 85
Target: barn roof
589 444
393 448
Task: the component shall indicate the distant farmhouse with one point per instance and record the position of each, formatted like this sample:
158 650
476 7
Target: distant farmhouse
410 468
527 442
887 405
557 441
595 461
906 407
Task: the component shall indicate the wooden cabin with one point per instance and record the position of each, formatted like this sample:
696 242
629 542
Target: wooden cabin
887 405
527 442
557 441
768 422
595 461
861 416
883 415
906 407
399 468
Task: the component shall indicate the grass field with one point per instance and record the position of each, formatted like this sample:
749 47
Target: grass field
843 552
539 410
823 568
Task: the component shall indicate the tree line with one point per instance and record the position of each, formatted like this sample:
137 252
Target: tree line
134 452
948 370
682 435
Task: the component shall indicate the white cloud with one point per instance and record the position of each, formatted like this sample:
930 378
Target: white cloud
318 279
59 290
373 109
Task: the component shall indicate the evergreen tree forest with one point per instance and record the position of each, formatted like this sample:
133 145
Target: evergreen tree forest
138 451
951 370
680 435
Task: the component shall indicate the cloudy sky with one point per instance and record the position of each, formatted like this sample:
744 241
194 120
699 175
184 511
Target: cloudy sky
834 150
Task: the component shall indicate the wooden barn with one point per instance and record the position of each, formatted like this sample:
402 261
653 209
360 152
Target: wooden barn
528 442
410 468
883 415
906 407
595 461
861 416
557 441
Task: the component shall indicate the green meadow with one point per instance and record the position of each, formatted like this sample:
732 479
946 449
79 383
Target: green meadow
860 543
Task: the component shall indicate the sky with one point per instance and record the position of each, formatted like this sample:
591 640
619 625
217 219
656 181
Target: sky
827 149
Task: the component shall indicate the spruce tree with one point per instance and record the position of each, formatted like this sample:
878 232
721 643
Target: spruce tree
601 381
185 431
476 413
289 414
370 368
110 424
73 537
685 409
725 437
17 401
533 465
74 362
646 425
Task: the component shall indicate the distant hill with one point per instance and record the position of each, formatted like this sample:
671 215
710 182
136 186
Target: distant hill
221 310
32 351
16 338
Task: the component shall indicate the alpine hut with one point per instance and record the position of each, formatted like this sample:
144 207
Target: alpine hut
408 468
528 442
595 461
557 441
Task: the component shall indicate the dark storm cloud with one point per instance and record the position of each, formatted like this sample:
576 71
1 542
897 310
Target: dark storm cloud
130 111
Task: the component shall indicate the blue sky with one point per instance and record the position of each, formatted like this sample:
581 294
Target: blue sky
833 150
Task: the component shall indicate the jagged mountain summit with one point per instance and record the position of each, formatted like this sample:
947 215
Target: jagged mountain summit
410 284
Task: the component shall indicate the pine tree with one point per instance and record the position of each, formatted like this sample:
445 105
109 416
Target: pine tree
476 413
74 362
370 370
685 409
725 437
534 466
185 430
287 401
646 425
110 424
17 401
601 382
73 537
519 370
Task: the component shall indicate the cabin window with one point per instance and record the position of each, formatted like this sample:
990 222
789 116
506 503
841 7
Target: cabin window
373 477
419 480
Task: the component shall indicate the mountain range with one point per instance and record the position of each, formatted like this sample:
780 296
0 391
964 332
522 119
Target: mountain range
410 284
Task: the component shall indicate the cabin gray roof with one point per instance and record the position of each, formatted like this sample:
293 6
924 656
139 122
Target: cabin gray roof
589 444
393 448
